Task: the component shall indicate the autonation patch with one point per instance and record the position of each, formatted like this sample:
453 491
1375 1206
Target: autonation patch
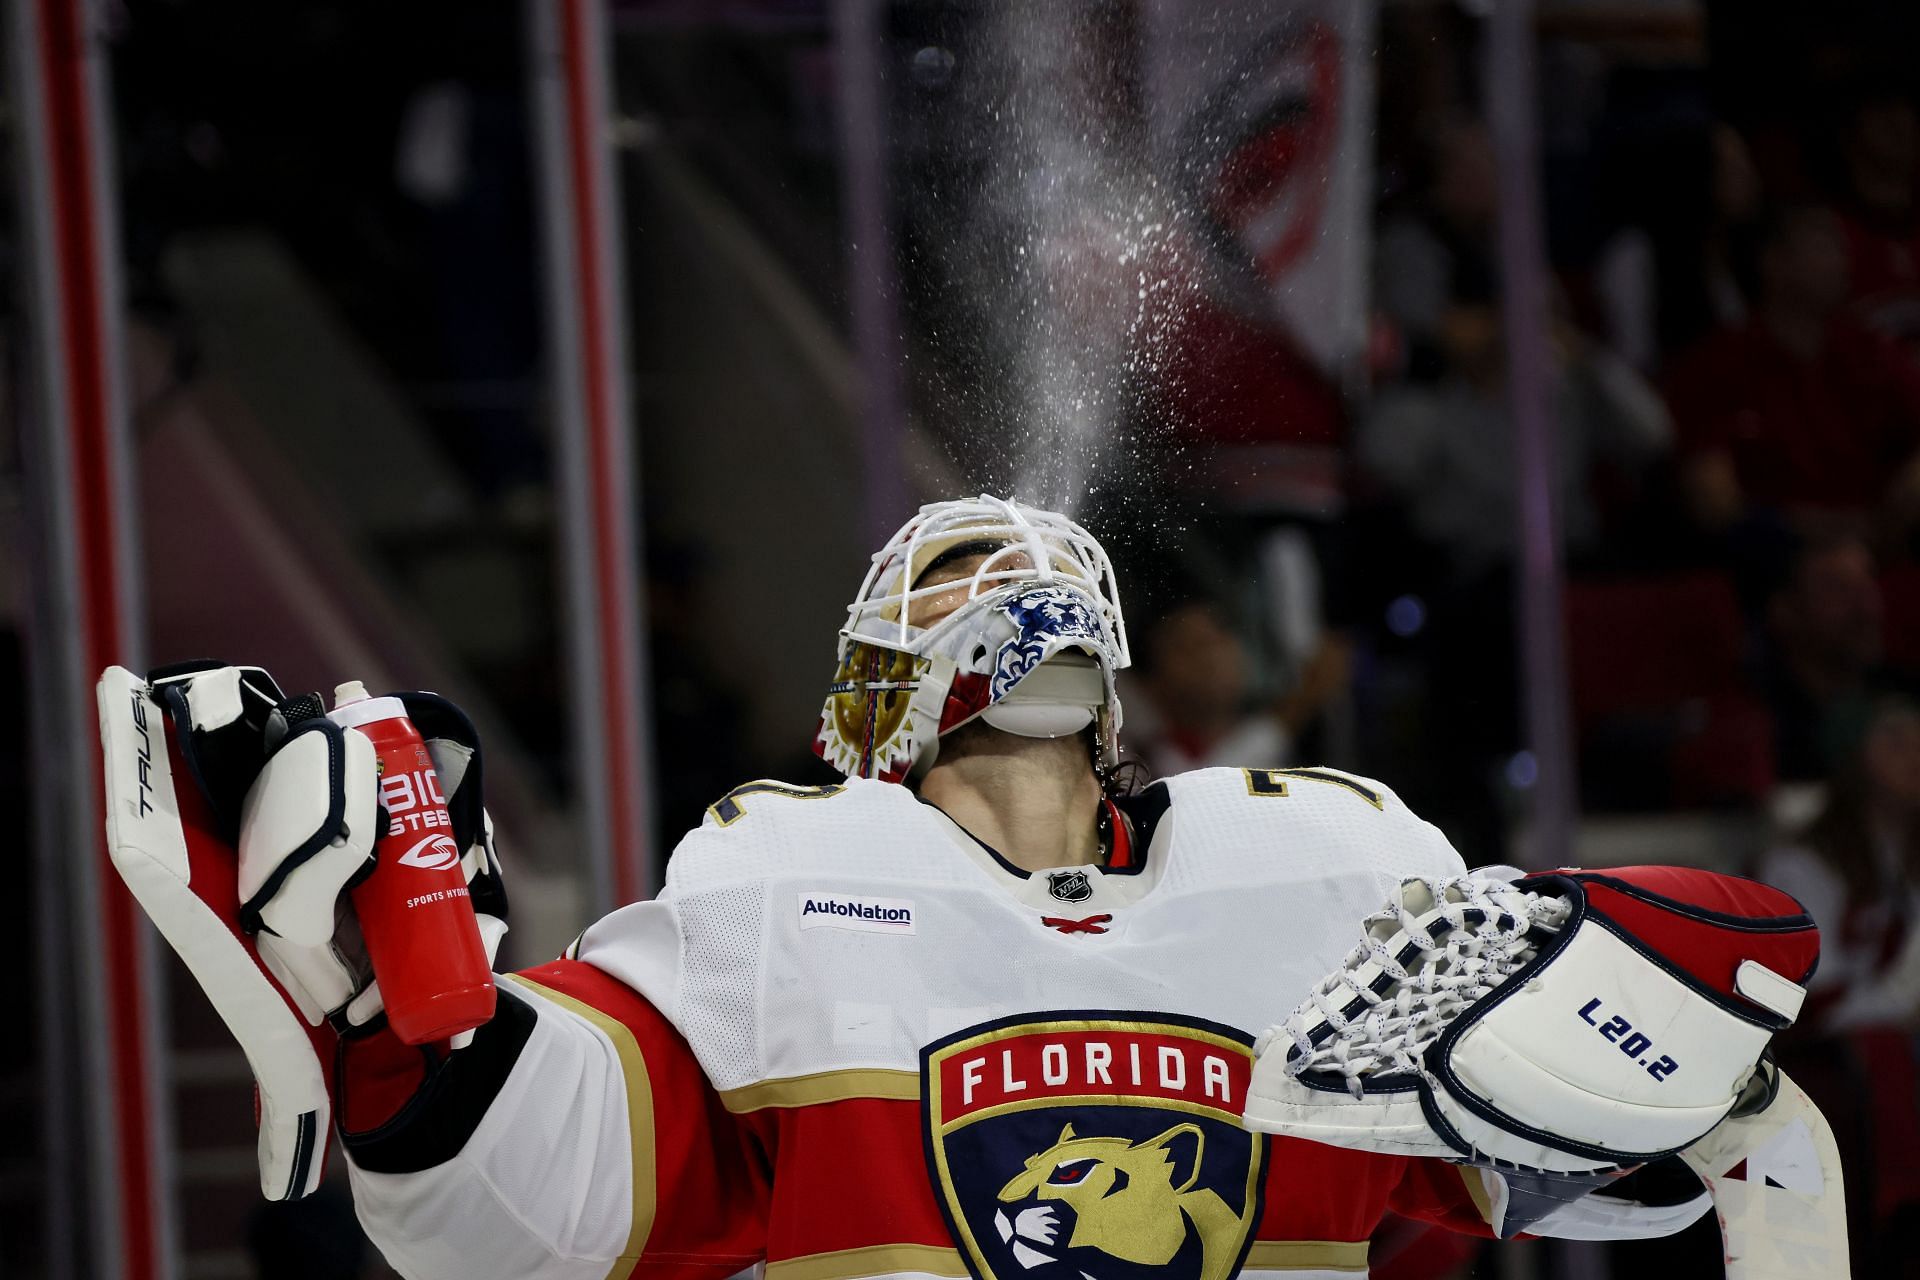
844 911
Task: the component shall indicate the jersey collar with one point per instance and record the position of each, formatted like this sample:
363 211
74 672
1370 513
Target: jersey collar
1126 829
1134 862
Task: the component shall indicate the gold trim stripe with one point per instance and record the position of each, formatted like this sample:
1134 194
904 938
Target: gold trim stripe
824 1086
1200 1109
639 1119
1307 1255
882 1259
873 1260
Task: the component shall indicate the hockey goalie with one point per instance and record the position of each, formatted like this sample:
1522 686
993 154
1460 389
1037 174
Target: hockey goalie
974 1011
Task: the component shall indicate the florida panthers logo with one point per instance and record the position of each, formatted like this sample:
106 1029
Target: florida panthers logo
1049 619
1094 1147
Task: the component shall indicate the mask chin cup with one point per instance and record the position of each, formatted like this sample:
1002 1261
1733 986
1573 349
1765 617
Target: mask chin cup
1037 720
1055 700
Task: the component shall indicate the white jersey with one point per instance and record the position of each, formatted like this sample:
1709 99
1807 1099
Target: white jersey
843 931
848 1041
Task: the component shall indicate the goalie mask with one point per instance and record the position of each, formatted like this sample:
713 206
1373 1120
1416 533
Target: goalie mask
1032 642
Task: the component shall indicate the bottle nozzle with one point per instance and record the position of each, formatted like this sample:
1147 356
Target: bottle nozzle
349 691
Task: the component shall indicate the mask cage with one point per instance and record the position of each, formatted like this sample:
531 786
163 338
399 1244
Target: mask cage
1059 551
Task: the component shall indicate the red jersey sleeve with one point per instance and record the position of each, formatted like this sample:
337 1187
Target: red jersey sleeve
694 1199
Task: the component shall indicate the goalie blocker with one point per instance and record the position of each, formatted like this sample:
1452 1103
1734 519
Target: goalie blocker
1571 1022
236 817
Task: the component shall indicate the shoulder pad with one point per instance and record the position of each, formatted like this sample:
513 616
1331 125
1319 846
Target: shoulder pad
1328 822
764 827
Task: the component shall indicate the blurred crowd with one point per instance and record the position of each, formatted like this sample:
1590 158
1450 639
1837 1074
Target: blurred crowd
1735 346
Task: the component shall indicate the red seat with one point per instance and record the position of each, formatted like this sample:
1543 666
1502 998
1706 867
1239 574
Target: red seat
1659 692
1651 644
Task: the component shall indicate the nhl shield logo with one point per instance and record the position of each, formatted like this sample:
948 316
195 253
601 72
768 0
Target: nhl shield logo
1070 886
1103 1146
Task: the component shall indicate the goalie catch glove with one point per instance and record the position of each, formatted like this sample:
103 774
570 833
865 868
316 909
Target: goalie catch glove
204 760
1571 1022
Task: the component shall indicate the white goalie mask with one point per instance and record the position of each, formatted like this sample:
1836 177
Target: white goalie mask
1032 646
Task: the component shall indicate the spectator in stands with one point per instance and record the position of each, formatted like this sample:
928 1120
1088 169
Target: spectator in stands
1673 274
1821 650
1440 251
1441 454
1800 410
1857 870
1198 706
1445 449
1879 160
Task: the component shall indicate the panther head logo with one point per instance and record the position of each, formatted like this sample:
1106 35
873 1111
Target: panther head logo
1087 1145
1134 1201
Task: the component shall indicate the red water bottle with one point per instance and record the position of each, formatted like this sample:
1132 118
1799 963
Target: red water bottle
414 910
